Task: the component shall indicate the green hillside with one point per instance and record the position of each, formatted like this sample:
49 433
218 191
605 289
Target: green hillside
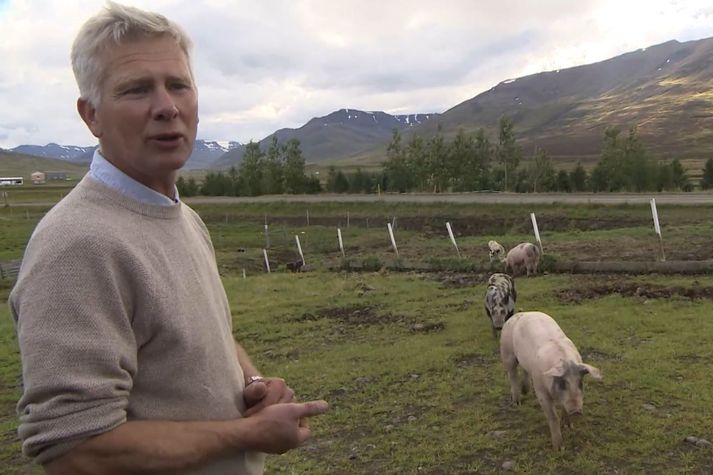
16 164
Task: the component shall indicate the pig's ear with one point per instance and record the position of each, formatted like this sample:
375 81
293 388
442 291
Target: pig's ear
594 372
556 371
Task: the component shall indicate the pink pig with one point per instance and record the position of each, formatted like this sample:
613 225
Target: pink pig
534 341
525 256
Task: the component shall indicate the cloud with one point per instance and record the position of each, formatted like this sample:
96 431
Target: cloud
262 66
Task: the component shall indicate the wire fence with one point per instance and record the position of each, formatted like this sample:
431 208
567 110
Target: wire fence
9 269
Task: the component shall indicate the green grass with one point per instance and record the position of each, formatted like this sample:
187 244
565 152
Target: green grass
405 401
407 361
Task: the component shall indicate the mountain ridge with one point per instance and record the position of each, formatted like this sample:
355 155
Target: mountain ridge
665 90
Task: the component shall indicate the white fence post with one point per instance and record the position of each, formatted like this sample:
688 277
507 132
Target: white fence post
657 227
299 248
537 232
341 243
393 241
267 261
453 239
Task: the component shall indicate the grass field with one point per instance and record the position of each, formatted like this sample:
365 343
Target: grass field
407 360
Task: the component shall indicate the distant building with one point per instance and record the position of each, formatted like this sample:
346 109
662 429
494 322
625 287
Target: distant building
38 178
11 180
56 176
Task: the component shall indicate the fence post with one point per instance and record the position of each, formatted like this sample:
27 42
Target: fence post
453 239
657 227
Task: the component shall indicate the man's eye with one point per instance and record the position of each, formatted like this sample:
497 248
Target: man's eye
136 90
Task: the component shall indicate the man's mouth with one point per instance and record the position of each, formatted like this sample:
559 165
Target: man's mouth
166 137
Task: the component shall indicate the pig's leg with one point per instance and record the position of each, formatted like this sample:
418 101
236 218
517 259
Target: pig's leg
566 418
525 385
510 364
553 421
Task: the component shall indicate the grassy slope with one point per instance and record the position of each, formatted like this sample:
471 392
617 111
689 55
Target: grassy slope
16 164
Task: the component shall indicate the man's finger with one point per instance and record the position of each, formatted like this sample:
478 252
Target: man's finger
303 433
312 408
254 392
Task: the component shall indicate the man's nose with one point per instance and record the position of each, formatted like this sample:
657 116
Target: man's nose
164 106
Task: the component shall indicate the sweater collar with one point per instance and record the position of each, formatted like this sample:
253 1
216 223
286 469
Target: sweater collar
104 171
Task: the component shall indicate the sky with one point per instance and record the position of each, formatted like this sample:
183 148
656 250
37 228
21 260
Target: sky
263 65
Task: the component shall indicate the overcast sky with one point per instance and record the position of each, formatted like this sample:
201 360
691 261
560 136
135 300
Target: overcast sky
262 65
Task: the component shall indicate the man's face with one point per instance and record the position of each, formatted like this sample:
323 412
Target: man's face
147 117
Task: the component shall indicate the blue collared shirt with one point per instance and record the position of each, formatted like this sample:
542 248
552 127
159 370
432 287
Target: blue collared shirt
103 170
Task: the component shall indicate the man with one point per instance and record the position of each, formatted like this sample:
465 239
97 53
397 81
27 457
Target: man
125 332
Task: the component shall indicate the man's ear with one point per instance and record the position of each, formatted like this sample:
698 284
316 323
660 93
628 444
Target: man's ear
88 113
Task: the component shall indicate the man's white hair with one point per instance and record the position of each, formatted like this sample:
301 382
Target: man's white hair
109 28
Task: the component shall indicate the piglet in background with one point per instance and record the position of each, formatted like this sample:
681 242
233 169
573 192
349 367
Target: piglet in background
500 298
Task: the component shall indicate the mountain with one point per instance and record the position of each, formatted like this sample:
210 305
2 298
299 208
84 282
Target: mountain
205 153
71 153
666 91
341 134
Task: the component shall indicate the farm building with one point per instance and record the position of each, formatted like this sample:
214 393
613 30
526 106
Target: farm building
42 177
51 176
38 178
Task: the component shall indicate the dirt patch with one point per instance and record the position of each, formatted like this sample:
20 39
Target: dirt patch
473 359
355 315
592 355
695 359
631 289
364 315
456 281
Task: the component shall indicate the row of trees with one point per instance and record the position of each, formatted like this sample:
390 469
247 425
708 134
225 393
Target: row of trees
474 162
280 169
468 162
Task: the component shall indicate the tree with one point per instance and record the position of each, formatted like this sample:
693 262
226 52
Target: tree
251 169
294 168
639 170
665 177
562 182
508 152
438 166
465 171
337 182
216 184
272 169
483 156
542 173
707 179
397 174
417 163
361 182
608 174
578 178
312 185
680 176
186 187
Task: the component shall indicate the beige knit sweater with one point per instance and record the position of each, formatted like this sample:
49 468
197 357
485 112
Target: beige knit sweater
121 315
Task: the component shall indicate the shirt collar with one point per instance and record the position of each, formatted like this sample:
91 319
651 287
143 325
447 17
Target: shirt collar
104 171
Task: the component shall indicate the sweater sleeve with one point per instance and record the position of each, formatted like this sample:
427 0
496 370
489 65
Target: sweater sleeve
72 306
